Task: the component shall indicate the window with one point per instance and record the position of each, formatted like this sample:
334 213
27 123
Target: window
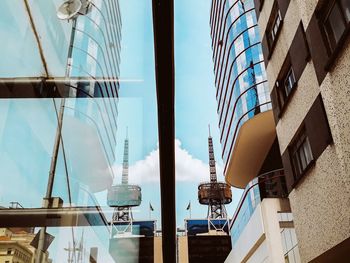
336 22
301 154
9 251
285 84
274 25
289 82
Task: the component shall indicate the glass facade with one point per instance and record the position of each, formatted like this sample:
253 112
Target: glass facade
268 185
250 200
80 77
240 77
76 59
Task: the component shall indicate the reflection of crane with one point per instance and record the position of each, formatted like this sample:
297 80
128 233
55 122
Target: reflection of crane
124 213
124 196
72 250
214 194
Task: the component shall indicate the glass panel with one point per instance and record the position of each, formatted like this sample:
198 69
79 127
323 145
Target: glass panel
104 199
302 158
297 255
308 153
294 237
291 256
20 56
54 34
289 82
335 25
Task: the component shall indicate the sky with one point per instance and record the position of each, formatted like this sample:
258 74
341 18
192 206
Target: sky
195 106
32 122
27 127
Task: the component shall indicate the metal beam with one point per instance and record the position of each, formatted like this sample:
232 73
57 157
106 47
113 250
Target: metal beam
163 28
53 217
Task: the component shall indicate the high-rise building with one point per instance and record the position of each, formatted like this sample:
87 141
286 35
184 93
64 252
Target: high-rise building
307 53
244 106
263 220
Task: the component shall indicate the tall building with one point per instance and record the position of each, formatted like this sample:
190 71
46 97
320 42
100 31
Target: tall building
262 228
307 53
244 106
15 246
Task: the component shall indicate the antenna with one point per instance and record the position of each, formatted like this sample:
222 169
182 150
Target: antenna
125 172
72 8
69 9
209 130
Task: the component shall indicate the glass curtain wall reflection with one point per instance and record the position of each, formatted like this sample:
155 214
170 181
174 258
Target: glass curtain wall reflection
240 78
50 68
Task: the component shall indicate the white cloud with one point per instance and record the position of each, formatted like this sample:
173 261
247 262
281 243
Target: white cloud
188 168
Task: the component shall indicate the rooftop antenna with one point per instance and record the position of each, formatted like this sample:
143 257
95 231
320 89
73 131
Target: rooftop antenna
72 8
214 194
122 197
125 173
212 167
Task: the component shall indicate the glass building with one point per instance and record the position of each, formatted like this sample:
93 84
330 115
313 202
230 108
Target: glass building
250 149
241 86
60 110
78 60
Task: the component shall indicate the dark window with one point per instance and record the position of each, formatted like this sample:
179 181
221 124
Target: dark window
286 83
9 251
289 82
274 25
336 22
345 5
301 154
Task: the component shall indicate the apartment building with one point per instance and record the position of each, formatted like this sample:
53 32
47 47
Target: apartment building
307 53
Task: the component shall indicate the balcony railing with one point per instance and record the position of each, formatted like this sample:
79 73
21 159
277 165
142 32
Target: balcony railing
268 185
214 192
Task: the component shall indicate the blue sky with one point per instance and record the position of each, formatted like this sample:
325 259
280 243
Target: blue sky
195 108
195 104
27 127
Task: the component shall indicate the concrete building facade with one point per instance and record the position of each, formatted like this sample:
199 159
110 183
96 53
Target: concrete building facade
15 246
269 235
307 53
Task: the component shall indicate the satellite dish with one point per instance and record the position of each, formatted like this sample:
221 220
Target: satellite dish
69 9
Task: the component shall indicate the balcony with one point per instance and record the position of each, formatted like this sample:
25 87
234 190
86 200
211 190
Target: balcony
252 145
269 185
